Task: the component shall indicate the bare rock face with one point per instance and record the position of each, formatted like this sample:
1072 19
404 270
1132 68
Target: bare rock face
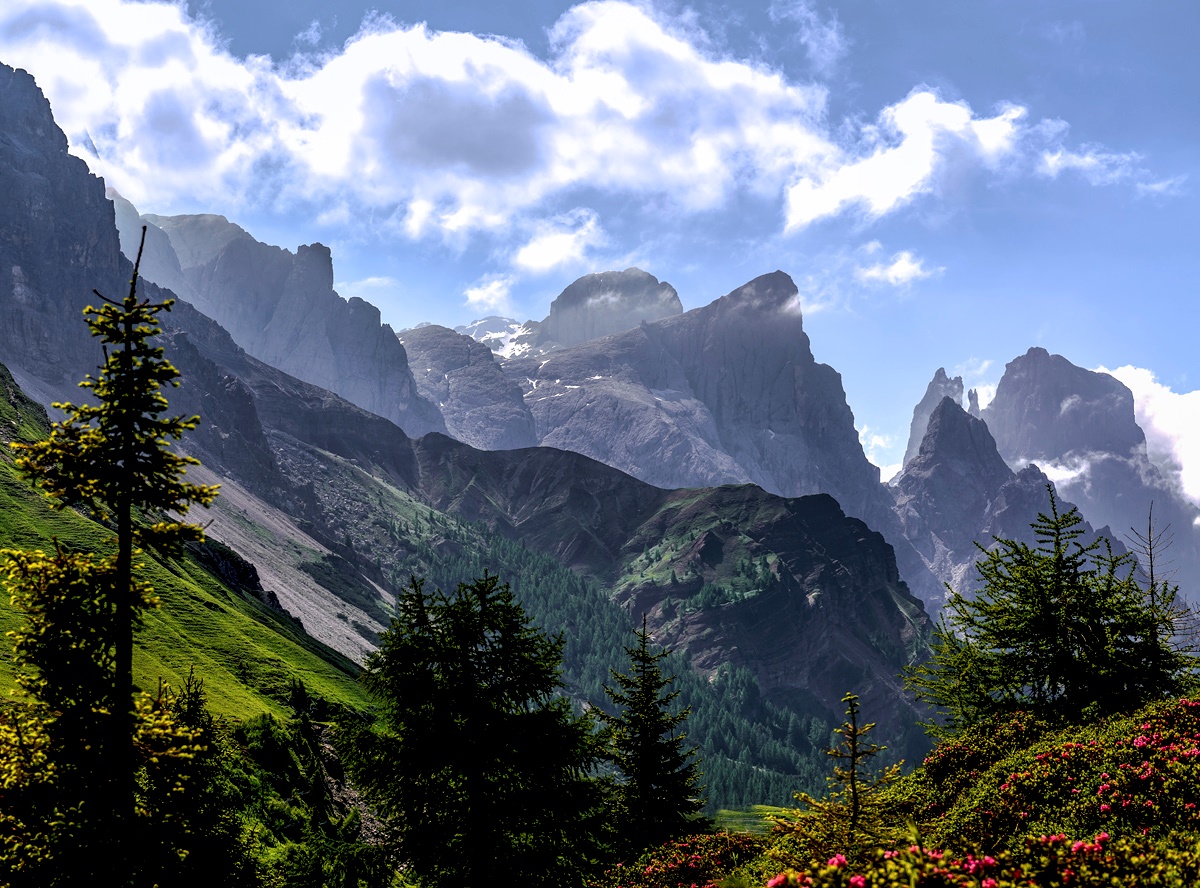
281 307
609 302
481 406
941 386
727 393
1046 407
958 491
57 242
1079 426
159 262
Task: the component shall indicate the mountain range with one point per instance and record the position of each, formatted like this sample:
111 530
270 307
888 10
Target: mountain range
620 457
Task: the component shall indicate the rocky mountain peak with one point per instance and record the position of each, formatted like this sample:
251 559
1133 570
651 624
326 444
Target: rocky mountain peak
772 292
608 302
198 237
941 386
281 307
961 445
1046 407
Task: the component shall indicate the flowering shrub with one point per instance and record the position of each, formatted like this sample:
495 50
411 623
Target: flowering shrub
694 862
1044 862
955 764
1136 776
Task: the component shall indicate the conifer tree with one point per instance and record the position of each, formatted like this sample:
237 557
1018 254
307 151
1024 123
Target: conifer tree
112 457
476 761
1061 629
849 819
659 798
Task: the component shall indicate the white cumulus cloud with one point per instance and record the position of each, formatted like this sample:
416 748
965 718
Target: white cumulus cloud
903 269
448 135
490 294
905 151
561 241
1171 421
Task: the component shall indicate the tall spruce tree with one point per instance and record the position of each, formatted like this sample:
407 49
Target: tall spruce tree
112 457
476 761
1061 629
660 795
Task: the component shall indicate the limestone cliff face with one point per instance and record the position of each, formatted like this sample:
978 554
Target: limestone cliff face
1046 407
1079 427
481 406
608 302
941 386
160 264
727 393
281 307
57 242
958 491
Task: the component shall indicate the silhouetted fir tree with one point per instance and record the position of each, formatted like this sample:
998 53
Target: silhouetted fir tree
476 761
659 797
1060 629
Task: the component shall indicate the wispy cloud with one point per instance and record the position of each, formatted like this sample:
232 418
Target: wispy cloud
822 37
879 450
490 294
1169 187
902 270
560 241
1098 167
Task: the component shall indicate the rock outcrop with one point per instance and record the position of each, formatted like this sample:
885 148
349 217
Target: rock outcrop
1079 426
281 307
480 405
57 243
941 386
607 302
958 491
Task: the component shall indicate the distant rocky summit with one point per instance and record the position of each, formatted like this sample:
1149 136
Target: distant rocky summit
1079 426
941 386
958 491
281 307
480 405
608 302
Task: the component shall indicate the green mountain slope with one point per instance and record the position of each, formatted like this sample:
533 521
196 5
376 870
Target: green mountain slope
247 653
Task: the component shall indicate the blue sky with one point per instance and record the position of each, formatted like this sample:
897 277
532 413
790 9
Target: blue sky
949 183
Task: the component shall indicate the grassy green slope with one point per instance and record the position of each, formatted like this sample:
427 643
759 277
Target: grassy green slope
247 653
